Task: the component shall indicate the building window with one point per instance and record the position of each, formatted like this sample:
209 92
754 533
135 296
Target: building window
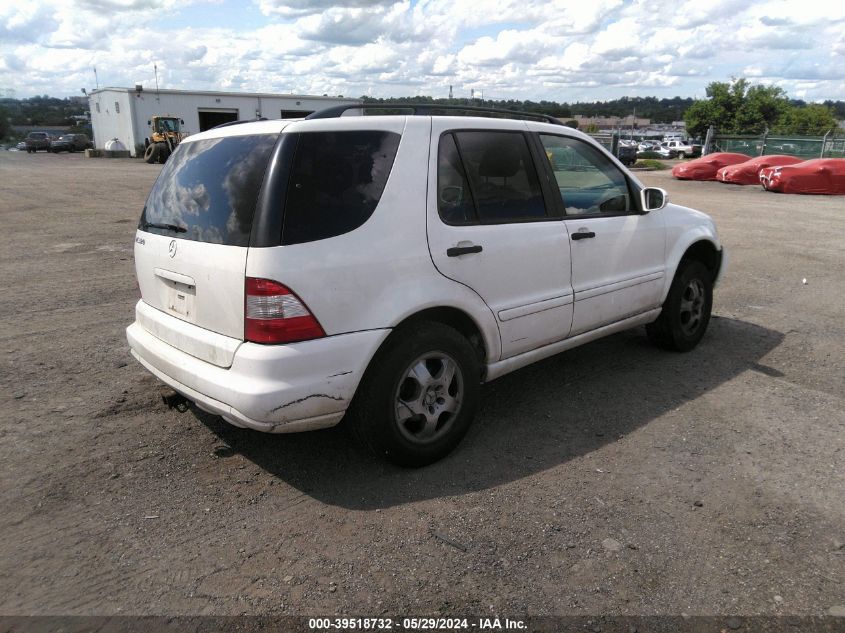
295 114
116 107
98 106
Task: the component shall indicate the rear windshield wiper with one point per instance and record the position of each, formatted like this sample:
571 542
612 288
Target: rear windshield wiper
170 227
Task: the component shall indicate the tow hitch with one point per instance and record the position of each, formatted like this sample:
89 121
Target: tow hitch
175 400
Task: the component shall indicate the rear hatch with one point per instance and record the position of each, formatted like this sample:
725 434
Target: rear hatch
192 242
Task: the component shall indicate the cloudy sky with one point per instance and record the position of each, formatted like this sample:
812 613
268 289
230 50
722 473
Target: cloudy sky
562 50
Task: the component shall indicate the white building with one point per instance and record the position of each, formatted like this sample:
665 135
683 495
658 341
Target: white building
123 113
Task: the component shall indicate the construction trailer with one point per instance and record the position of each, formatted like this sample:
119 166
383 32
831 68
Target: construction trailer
125 113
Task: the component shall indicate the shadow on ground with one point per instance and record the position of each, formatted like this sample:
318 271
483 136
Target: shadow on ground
529 421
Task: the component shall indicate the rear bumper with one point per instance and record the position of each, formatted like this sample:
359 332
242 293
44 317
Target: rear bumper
271 388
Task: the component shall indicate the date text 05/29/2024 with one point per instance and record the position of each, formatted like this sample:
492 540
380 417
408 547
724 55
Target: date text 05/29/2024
415 624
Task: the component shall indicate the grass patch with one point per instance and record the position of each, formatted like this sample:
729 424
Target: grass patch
650 165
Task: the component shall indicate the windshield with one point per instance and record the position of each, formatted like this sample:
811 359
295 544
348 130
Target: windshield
208 189
168 125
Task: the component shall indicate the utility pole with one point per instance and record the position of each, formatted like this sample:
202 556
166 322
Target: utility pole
96 79
155 70
450 91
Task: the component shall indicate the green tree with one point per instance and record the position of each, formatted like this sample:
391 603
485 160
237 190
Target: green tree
760 108
5 126
741 108
572 123
737 108
814 119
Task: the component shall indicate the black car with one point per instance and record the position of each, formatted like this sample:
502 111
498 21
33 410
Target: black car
627 154
71 143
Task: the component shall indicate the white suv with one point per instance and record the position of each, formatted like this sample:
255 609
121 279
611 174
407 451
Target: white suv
382 267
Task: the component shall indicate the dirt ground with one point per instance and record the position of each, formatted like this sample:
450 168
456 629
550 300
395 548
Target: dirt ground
613 479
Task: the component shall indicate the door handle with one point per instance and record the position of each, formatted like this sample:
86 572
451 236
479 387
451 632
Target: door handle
583 235
454 251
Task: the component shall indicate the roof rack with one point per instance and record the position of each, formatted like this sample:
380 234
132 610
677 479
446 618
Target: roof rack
429 109
228 123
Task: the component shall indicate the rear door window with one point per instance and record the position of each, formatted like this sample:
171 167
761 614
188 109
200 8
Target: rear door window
336 182
208 189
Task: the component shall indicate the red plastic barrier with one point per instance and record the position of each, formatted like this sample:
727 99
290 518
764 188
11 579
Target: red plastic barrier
748 173
705 168
824 176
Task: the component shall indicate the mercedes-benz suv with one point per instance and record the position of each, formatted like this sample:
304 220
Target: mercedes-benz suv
381 267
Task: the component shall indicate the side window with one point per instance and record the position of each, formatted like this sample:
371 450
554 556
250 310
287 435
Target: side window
454 199
589 183
336 182
487 177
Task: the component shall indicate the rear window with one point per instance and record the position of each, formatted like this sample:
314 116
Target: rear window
208 189
336 182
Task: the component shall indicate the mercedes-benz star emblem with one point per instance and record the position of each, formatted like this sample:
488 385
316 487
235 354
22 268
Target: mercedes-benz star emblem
172 248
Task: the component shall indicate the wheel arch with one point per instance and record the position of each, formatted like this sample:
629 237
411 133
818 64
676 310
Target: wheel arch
698 246
454 317
457 319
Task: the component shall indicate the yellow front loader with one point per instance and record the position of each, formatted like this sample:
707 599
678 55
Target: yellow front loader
166 134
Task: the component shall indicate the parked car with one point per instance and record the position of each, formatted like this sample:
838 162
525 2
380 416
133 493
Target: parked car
37 140
705 168
647 146
664 151
20 147
748 172
682 149
71 143
382 267
627 153
819 176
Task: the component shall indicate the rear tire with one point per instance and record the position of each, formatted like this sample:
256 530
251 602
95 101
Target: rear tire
418 396
686 311
151 153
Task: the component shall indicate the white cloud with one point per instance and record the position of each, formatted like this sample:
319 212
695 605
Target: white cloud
559 49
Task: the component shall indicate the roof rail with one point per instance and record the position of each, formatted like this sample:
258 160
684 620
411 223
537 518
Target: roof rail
228 123
429 109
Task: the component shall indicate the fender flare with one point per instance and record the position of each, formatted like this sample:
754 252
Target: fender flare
692 237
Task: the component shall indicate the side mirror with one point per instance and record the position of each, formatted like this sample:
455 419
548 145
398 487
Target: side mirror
653 199
182 121
149 122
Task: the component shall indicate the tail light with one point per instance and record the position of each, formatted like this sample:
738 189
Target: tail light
274 314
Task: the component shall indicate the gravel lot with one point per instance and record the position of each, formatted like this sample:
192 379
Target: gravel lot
612 479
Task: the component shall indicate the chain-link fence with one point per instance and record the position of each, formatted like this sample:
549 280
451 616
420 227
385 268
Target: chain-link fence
610 140
828 146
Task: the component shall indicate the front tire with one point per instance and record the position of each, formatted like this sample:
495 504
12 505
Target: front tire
686 311
419 395
151 154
